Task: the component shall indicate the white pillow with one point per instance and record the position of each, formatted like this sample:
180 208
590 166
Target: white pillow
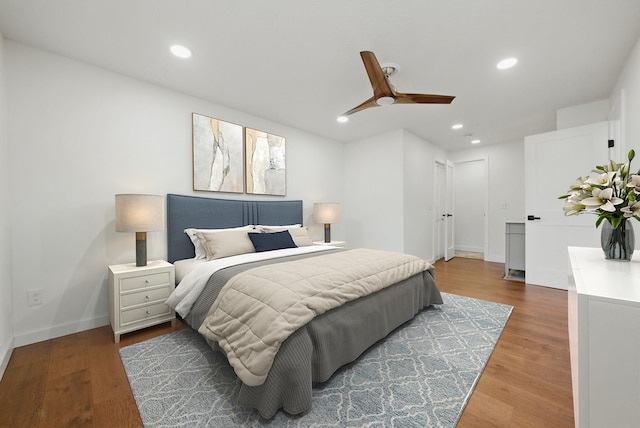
269 229
198 246
299 234
226 243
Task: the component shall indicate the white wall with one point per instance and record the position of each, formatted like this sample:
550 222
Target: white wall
389 193
373 196
583 114
80 134
6 306
506 189
627 92
419 195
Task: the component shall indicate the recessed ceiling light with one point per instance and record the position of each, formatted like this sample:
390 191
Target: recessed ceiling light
456 126
475 141
507 63
343 119
180 51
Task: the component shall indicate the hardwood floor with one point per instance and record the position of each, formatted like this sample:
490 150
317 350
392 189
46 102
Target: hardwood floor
78 380
527 381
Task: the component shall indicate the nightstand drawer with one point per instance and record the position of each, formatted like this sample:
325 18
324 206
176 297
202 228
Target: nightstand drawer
146 296
144 313
143 281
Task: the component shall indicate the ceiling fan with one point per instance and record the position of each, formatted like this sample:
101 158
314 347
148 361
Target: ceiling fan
384 93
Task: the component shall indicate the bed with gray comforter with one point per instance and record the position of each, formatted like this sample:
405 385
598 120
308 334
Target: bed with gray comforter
315 351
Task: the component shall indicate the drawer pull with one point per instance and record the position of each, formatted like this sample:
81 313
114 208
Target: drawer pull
148 313
146 297
146 281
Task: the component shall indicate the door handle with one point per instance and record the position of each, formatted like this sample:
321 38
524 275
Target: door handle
532 217
447 215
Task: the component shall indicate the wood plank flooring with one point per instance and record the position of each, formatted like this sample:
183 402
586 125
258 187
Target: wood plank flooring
78 380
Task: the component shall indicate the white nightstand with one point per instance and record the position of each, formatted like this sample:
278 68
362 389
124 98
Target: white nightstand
137 296
332 243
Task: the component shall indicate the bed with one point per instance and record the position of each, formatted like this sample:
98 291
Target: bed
314 351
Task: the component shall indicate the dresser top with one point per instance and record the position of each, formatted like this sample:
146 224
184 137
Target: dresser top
605 279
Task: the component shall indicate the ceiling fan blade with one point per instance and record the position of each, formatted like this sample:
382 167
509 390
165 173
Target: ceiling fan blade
371 102
379 83
422 99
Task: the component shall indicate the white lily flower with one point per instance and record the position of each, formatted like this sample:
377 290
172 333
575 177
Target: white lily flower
634 183
602 199
610 191
573 207
605 179
631 210
577 185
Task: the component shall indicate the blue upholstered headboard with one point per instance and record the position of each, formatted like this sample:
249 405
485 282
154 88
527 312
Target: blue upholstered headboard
206 213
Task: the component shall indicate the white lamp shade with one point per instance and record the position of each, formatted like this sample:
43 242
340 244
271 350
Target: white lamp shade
139 213
326 213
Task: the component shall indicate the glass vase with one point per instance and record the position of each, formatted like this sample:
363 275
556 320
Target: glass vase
619 243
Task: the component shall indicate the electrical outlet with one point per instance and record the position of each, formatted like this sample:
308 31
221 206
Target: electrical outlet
34 297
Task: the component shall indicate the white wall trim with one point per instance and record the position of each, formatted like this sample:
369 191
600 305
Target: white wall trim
495 258
52 332
5 355
470 249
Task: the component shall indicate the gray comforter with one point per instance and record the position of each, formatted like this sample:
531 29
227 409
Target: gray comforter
314 352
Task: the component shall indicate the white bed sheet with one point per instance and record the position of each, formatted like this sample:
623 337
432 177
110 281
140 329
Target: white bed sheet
194 273
183 267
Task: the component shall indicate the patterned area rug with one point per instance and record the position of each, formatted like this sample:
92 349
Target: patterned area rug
420 375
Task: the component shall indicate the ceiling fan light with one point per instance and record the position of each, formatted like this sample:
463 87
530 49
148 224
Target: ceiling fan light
385 101
343 119
457 126
475 141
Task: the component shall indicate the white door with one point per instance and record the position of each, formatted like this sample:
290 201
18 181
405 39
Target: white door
553 161
440 183
450 244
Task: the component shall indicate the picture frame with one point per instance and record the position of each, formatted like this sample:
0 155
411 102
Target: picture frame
218 156
265 163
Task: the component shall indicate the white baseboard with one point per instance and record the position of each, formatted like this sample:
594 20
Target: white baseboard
6 349
52 332
496 258
469 249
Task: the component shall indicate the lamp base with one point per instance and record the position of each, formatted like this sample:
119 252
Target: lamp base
141 248
327 232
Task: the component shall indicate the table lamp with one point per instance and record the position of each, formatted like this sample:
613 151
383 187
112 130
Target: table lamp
327 213
140 214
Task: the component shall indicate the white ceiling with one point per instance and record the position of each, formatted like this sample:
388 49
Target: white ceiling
297 62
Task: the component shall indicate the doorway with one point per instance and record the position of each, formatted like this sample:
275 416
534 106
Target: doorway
470 206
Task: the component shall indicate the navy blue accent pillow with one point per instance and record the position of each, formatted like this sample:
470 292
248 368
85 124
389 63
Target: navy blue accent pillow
272 241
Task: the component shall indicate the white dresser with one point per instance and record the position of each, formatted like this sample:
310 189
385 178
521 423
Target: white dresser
137 296
604 339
